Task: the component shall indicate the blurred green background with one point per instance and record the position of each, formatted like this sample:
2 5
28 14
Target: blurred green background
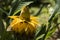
48 12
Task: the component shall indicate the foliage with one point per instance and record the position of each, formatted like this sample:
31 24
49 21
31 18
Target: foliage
49 19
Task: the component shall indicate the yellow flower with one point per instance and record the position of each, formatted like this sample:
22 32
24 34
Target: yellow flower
23 23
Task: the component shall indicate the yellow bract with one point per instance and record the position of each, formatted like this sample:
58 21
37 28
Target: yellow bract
21 26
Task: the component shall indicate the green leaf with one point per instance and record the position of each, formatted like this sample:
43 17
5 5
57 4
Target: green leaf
40 37
56 8
13 7
40 31
49 34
